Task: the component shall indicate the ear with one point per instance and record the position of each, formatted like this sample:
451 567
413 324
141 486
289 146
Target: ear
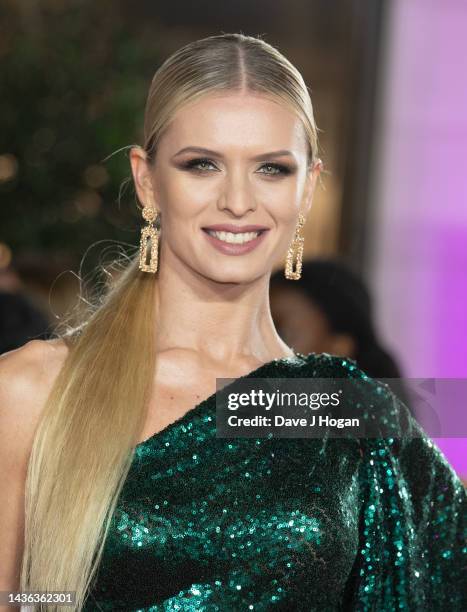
310 185
142 177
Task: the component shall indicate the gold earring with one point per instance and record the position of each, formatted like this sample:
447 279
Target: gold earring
149 233
297 243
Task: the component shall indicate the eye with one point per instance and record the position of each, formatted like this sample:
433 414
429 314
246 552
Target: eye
277 169
203 164
198 164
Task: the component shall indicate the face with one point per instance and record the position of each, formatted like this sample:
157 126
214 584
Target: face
230 178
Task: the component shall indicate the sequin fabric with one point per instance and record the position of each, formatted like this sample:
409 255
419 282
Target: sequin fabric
204 523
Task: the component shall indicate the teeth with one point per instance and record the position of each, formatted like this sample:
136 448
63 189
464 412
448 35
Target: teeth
233 238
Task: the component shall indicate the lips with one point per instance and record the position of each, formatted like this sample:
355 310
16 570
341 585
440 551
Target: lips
235 248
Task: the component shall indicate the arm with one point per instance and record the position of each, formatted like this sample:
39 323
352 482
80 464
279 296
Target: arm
413 528
22 392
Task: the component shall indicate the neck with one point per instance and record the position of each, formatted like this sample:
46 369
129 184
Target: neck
221 321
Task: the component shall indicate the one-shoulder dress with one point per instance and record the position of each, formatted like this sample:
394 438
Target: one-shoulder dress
237 524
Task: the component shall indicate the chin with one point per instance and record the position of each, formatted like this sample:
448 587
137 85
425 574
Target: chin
237 276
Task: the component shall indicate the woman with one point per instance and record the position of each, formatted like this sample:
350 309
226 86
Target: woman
131 500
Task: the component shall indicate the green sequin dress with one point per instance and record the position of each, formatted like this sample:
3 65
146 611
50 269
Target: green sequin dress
205 523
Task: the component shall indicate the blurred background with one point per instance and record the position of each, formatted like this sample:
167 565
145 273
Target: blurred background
386 241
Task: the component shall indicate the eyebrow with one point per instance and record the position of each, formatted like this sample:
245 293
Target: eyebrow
202 150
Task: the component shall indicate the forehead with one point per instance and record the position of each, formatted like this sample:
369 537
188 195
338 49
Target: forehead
237 121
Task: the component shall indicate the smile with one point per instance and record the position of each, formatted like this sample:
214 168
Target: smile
235 243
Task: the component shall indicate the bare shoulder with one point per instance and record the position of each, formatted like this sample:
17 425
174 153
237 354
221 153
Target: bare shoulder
30 369
26 377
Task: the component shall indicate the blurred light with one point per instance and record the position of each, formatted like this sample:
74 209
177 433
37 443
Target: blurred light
95 176
8 167
88 203
5 255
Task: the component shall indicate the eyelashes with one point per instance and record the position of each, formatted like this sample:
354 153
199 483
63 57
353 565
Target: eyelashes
277 169
192 164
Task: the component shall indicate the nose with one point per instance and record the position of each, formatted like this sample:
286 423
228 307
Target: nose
237 197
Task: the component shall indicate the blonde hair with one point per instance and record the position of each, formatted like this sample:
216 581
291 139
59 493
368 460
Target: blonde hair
97 407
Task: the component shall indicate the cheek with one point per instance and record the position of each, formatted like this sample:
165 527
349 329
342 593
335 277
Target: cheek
283 201
180 202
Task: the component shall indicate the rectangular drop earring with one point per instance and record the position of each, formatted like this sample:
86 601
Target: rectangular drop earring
295 252
149 234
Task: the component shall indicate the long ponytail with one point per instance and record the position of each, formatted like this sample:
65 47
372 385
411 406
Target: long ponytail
83 446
